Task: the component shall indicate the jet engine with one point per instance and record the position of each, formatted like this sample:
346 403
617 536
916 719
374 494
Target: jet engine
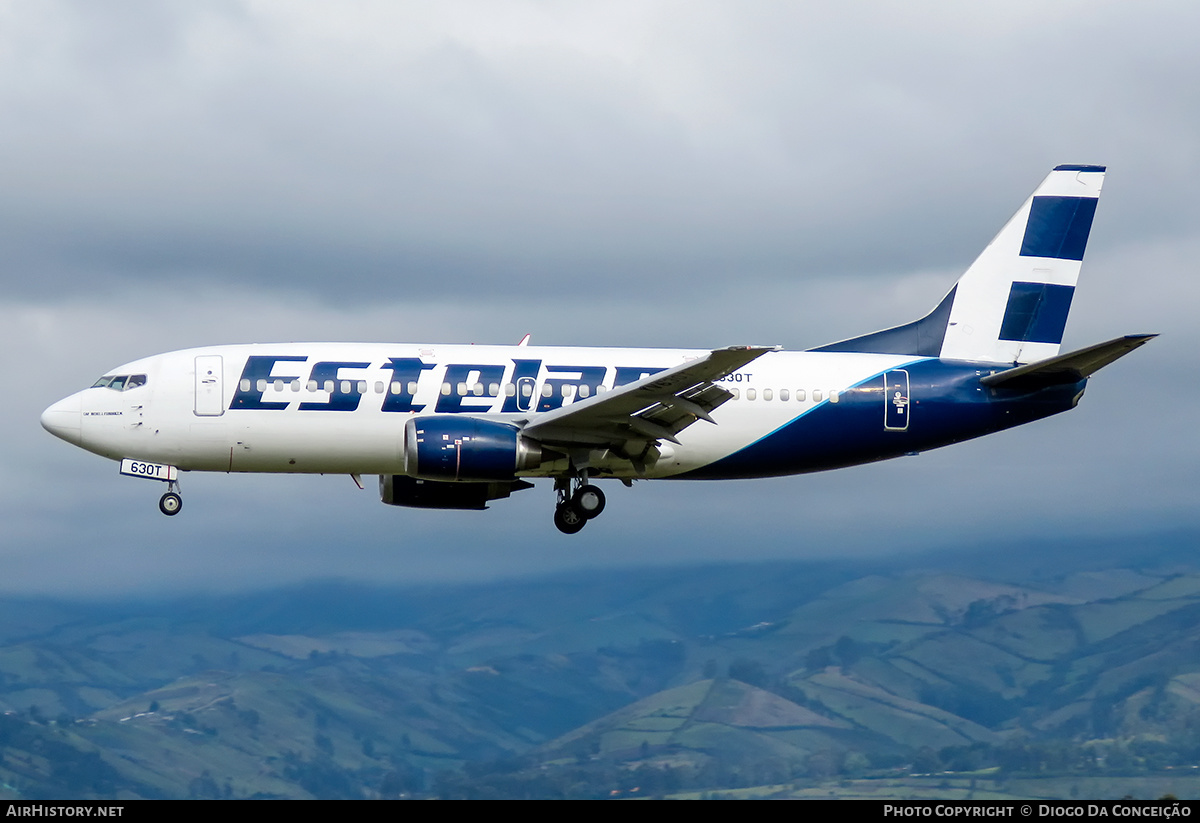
456 447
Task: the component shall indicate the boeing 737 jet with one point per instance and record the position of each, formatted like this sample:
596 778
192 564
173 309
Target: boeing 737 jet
455 427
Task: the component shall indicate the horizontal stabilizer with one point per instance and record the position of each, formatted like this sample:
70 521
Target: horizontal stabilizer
1067 368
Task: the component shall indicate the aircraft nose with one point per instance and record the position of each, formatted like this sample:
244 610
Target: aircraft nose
63 420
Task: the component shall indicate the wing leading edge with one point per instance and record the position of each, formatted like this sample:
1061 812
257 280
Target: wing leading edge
656 407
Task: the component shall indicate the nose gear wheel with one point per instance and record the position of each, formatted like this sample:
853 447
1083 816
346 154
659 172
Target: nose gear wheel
171 503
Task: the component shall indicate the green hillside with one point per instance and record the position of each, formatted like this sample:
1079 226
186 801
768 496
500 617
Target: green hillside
799 679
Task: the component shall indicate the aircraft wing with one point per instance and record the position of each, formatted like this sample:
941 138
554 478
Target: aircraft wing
656 407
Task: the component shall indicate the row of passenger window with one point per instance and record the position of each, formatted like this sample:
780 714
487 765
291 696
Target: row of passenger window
120 382
784 394
509 389
461 389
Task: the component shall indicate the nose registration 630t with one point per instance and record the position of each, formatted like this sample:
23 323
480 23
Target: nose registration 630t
155 471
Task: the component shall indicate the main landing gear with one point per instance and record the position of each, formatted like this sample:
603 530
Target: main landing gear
575 508
171 503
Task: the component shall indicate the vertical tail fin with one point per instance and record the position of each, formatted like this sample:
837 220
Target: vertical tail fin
1011 305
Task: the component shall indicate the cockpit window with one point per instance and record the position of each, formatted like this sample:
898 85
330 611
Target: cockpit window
120 382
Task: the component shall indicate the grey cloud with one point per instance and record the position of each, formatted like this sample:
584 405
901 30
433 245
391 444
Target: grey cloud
250 143
643 174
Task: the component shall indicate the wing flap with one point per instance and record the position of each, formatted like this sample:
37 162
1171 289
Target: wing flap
656 407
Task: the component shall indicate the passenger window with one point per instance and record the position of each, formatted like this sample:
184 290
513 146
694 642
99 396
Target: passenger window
477 390
462 389
584 391
277 384
800 395
329 386
736 393
527 390
261 386
510 390
362 387
783 394
767 395
834 396
396 388
296 384
750 394
547 390
412 387
816 395
312 385
493 389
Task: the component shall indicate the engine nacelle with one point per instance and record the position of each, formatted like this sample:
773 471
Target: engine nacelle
457 447
398 490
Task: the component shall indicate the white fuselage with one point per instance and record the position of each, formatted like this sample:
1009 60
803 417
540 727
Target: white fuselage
341 407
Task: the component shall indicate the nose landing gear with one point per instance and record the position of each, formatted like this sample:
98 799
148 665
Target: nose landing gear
171 503
575 508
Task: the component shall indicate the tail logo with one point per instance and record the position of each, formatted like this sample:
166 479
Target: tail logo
1036 312
1058 227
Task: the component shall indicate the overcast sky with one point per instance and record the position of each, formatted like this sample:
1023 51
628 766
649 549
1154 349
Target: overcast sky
646 174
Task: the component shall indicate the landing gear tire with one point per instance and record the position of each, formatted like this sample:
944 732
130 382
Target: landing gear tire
589 500
569 519
170 504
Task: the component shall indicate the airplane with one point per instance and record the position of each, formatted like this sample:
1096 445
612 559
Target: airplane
455 426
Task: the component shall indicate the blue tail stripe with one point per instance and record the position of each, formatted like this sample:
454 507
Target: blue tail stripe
1036 312
1058 227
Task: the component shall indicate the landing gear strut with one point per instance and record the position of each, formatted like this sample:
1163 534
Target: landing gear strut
171 503
578 502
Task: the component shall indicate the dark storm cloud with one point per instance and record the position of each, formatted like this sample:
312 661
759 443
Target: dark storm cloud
402 147
694 174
